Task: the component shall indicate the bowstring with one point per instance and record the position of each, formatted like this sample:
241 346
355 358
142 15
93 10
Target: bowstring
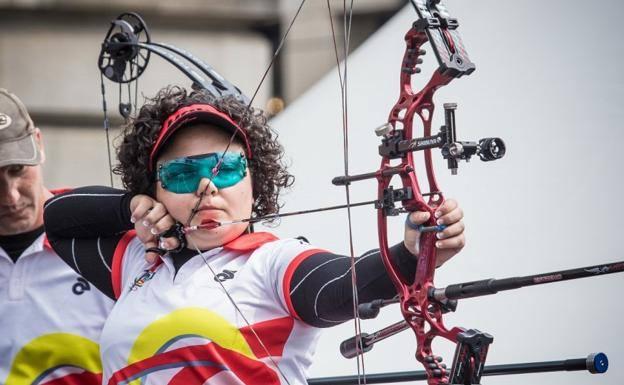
239 311
343 80
106 128
134 66
247 110
276 53
215 171
194 211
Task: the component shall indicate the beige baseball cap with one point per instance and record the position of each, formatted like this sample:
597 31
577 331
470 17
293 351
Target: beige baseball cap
17 142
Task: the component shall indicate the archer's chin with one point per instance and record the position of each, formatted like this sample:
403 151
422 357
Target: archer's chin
206 239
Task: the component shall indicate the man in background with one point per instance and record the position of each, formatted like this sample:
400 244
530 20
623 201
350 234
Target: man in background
50 317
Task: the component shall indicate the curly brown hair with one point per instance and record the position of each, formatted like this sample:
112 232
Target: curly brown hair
140 133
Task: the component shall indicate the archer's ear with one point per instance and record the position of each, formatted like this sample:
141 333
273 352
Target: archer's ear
39 140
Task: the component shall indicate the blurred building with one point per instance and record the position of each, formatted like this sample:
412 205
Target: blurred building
49 50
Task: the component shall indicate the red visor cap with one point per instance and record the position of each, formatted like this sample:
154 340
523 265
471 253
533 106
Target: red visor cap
196 114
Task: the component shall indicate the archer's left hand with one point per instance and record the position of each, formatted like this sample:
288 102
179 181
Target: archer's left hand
450 241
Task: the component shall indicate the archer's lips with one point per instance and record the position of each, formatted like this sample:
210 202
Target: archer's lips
208 221
207 215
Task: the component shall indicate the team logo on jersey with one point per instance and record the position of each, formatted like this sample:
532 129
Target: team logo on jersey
141 279
190 346
56 358
81 286
224 275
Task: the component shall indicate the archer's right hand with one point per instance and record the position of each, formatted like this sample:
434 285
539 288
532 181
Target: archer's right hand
150 219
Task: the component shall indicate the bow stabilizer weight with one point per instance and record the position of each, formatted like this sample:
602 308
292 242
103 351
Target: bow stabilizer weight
449 295
595 363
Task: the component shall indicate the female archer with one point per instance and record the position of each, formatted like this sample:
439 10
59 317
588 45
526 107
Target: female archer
201 297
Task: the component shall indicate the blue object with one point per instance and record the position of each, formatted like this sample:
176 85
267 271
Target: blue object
422 228
183 175
600 362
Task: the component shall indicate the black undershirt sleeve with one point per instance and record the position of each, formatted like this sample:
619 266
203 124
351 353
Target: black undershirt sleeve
84 227
320 288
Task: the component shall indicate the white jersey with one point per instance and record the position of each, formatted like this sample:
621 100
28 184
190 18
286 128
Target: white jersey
169 328
50 321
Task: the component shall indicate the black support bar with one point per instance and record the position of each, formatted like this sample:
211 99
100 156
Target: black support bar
493 286
596 363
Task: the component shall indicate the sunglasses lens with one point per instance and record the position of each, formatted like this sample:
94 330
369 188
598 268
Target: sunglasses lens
183 175
180 177
232 170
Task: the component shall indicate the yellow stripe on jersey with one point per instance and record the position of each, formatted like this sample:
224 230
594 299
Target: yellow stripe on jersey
188 322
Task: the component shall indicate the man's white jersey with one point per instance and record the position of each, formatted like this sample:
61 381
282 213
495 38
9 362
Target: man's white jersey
50 321
181 328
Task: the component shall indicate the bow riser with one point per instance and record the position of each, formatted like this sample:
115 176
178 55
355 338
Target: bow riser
423 316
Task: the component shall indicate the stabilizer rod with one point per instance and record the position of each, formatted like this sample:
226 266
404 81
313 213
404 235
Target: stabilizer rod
596 363
493 286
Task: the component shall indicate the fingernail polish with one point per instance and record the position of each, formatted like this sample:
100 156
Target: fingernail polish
133 219
146 223
439 235
438 214
153 231
440 222
438 244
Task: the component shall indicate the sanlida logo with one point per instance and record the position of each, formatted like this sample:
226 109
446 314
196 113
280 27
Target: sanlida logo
81 286
224 275
5 121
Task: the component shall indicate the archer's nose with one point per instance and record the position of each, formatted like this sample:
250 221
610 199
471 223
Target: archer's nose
9 192
206 184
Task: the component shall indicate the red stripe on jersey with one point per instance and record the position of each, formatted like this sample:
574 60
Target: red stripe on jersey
251 241
120 250
46 242
194 375
198 363
273 334
289 274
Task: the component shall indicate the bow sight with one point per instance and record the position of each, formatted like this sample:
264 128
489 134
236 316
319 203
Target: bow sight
394 146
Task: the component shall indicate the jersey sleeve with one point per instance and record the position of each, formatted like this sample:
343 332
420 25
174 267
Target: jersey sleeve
279 260
316 287
87 227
